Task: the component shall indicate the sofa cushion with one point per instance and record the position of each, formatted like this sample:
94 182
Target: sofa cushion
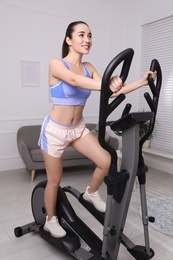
36 155
69 153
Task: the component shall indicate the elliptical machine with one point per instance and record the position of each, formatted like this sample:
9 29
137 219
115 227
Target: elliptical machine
81 242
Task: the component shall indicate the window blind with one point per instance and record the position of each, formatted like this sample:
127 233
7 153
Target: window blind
157 43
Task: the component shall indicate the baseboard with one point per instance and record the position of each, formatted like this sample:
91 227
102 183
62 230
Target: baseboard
159 161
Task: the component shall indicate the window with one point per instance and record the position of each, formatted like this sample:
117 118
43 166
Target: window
157 43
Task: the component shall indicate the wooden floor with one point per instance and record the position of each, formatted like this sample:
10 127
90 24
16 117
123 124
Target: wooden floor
15 210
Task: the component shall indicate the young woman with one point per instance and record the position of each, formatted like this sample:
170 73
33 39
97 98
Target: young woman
71 82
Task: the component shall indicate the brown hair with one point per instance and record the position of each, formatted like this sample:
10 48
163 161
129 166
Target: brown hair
69 31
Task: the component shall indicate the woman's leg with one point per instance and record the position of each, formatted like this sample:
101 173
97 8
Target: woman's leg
89 146
54 173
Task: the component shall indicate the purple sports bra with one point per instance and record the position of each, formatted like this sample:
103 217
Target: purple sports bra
65 94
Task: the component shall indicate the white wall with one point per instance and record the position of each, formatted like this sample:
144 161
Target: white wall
34 30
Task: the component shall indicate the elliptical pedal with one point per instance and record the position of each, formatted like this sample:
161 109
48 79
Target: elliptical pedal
89 206
70 243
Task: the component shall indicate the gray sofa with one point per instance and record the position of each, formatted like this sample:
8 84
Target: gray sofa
27 139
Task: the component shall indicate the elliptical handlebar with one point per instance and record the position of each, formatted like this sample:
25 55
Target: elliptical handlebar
153 101
126 57
106 109
155 66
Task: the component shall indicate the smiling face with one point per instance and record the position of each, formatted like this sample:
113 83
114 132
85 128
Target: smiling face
81 40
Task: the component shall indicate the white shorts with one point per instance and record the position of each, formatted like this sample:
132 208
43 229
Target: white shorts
54 137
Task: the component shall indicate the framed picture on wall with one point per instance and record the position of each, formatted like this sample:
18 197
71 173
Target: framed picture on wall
30 74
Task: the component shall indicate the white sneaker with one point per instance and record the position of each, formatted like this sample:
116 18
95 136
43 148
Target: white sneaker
96 200
53 227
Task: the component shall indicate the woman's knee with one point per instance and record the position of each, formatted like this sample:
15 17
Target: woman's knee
54 177
53 182
104 163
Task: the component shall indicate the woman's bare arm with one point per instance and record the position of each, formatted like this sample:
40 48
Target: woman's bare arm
127 88
58 71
